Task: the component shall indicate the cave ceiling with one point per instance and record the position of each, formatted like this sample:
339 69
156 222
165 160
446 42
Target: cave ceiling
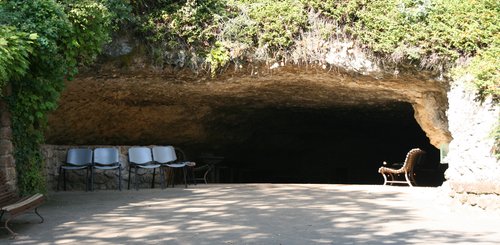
177 106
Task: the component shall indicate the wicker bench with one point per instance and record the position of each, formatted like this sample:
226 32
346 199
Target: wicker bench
413 157
14 206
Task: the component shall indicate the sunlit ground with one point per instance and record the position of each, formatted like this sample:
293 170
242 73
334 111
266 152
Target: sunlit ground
258 214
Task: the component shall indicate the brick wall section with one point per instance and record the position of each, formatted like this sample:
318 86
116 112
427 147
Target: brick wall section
7 162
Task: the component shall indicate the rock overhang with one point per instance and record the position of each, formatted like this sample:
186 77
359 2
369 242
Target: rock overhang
146 106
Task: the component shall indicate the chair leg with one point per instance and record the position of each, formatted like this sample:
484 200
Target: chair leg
92 179
89 178
153 181
172 170
6 225
193 176
171 176
412 179
168 175
385 179
59 178
135 179
36 212
12 233
119 178
408 180
64 179
129 172
206 174
392 179
162 179
184 169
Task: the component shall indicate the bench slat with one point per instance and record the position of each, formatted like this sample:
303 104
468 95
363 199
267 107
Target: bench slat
24 202
14 211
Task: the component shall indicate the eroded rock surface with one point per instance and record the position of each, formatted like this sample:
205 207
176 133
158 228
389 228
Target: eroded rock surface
474 169
179 107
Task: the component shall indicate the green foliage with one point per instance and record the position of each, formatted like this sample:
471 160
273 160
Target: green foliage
418 29
197 25
189 26
435 33
192 24
279 22
484 68
30 102
340 11
61 35
15 48
217 57
239 27
91 27
120 13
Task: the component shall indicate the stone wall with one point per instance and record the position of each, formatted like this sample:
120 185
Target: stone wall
7 162
55 156
473 173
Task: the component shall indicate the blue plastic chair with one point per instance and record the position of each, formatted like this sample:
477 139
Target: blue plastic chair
76 159
140 157
107 159
166 157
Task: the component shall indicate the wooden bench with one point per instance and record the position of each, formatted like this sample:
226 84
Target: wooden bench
13 206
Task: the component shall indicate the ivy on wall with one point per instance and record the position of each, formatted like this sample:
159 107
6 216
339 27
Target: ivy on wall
43 42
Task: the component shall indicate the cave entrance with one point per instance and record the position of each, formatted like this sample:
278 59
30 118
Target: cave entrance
317 145
291 126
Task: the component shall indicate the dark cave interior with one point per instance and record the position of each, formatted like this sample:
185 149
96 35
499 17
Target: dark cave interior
342 145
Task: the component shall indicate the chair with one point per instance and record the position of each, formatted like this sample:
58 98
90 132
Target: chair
413 157
140 157
204 170
191 167
165 155
107 159
76 159
208 165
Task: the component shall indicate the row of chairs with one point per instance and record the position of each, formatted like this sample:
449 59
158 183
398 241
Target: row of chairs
108 158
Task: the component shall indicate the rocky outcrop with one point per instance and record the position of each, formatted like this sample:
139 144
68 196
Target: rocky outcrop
176 107
473 173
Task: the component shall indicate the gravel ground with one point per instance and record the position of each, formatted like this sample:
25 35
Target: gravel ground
258 214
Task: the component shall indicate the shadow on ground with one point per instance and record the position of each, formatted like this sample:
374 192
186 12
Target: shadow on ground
254 214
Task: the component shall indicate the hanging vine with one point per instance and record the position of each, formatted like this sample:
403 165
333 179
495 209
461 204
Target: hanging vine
44 42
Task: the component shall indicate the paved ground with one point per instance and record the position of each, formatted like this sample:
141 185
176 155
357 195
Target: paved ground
258 214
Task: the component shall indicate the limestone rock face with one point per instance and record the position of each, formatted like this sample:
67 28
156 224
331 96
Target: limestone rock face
178 107
474 170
